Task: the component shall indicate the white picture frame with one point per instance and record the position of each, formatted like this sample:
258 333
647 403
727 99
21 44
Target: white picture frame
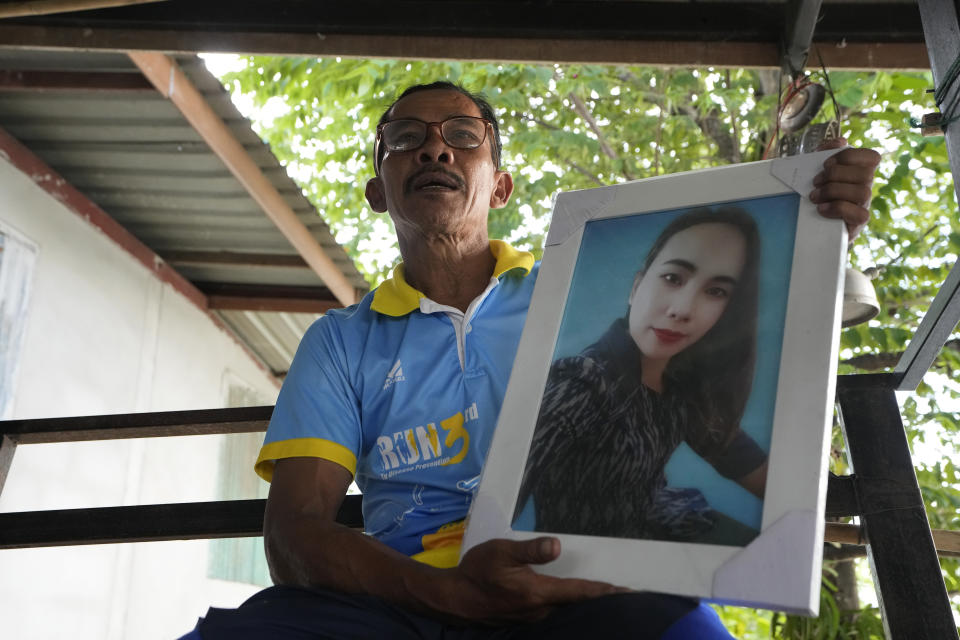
780 567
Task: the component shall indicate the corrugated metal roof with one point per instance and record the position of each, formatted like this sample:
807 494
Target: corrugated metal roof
134 154
274 336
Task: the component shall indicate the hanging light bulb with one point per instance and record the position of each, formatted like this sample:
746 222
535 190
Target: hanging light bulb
859 299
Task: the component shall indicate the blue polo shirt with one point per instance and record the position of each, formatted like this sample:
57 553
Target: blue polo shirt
404 393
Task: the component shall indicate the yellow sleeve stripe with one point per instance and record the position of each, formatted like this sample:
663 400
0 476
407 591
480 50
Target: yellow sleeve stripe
442 558
303 448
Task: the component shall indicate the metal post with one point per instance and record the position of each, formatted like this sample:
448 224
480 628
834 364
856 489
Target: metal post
913 598
941 30
799 23
7 448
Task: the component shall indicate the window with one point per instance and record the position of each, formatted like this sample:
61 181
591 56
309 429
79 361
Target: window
240 559
17 258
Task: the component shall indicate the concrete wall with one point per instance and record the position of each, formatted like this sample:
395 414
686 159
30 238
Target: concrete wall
104 336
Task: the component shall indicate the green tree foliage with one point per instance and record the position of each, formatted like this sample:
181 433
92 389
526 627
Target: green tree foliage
581 126
570 127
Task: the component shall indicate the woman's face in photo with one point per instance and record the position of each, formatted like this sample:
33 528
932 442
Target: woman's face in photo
686 289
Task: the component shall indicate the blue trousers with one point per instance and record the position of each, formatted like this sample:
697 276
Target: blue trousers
291 613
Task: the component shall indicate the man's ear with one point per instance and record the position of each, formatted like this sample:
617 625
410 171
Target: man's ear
502 190
375 195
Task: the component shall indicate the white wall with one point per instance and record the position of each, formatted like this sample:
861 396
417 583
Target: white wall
104 336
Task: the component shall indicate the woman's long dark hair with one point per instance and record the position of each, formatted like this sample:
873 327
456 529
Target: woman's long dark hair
715 374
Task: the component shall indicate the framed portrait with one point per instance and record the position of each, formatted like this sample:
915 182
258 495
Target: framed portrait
669 409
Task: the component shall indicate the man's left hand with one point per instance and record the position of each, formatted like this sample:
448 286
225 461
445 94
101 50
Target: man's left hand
843 189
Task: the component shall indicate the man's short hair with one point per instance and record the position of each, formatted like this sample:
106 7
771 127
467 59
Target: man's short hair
486 111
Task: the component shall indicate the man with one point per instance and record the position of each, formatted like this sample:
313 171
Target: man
403 390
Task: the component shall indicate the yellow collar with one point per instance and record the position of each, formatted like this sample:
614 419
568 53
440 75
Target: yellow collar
394 297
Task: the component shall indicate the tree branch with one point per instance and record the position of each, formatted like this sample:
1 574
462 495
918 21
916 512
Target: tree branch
735 138
710 124
885 360
843 552
713 127
542 123
922 299
656 150
581 108
768 81
874 361
654 97
893 261
573 165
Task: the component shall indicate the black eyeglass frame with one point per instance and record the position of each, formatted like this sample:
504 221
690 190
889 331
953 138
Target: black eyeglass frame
378 139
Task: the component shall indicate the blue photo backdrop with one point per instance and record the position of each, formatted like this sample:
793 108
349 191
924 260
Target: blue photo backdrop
611 253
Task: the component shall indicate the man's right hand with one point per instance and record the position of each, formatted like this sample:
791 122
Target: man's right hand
495 583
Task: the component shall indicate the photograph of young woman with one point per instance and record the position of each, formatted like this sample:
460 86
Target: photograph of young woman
678 368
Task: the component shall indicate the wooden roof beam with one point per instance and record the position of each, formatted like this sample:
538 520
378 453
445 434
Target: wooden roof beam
609 20
234 259
13 80
46 7
261 297
837 54
173 84
874 34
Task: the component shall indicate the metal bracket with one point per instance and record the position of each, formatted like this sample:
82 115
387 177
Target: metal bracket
800 19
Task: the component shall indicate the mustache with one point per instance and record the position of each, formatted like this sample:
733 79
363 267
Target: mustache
431 168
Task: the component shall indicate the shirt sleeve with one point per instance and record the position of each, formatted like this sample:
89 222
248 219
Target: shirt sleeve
739 458
317 412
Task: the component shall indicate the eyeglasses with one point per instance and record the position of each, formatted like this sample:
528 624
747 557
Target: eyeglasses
460 132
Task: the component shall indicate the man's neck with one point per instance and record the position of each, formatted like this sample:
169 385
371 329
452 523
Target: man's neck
448 270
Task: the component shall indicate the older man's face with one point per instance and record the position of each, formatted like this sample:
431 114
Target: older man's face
438 189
